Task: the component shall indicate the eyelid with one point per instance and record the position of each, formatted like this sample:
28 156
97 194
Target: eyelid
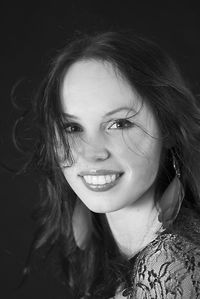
68 124
107 123
122 120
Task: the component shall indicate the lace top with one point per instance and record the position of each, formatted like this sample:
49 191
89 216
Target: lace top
168 267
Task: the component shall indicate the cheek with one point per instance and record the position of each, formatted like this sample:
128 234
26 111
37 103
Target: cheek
71 176
140 153
69 156
135 143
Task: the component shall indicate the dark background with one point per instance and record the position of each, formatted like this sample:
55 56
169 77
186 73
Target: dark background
31 34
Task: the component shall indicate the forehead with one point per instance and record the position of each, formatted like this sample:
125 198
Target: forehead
96 86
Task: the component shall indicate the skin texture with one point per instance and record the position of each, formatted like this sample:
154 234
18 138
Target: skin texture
89 91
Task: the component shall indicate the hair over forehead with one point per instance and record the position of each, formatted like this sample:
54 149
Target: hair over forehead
141 62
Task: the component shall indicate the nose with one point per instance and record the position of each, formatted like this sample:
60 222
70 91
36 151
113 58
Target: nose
94 150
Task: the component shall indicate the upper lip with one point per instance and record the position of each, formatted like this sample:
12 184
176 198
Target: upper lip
99 172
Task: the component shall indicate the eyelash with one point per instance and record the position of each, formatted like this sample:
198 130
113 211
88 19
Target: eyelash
71 125
126 125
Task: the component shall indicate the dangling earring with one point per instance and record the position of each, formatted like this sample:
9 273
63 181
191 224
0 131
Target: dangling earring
81 224
171 199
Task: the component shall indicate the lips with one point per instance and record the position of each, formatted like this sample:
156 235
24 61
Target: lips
96 172
100 180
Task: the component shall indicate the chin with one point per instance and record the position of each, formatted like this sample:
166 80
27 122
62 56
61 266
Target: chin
103 207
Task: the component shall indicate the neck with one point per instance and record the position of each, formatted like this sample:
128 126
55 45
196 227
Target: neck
134 227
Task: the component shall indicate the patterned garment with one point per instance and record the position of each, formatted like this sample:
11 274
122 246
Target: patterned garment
168 267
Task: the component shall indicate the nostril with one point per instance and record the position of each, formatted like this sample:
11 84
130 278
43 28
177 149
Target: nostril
95 154
102 155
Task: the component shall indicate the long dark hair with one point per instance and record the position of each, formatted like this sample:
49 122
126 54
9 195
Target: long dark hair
157 79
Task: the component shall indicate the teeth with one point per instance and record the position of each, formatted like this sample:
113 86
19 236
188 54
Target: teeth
108 178
100 179
94 180
89 178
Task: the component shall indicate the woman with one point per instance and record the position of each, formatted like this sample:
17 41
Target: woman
119 151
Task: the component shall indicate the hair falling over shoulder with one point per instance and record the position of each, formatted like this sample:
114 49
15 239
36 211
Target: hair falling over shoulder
100 268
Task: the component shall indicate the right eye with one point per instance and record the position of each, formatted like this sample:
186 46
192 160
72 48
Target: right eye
72 128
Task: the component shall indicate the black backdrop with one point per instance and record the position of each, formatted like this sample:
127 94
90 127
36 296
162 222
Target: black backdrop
31 33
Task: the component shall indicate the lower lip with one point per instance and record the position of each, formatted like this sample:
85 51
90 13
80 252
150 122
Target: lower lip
101 188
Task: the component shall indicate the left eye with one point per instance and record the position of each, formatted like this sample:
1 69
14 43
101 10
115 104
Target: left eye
72 128
121 124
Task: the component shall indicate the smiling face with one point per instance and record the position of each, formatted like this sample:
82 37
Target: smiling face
113 136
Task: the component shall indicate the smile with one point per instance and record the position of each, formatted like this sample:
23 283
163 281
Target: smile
101 182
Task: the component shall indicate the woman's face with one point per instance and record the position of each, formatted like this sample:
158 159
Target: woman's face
113 136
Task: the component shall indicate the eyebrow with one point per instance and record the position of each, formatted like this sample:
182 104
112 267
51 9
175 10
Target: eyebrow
107 114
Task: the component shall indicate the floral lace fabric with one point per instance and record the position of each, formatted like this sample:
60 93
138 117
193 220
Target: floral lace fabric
168 268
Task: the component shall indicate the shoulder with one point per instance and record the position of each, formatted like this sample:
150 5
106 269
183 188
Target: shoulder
169 267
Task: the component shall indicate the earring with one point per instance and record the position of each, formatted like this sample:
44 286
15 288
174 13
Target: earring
171 199
81 224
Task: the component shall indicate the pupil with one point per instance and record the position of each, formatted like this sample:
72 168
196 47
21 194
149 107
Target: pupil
121 123
74 129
